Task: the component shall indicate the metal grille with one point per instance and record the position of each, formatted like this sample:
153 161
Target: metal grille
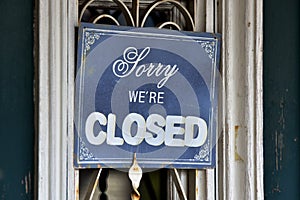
160 14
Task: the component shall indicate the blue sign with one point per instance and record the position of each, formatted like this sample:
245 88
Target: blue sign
145 91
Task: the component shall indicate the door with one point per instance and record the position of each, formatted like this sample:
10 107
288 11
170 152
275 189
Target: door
16 100
239 172
281 99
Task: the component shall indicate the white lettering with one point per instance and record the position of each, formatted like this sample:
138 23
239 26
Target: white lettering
141 96
160 97
111 129
141 129
152 97
121 68
154 125
89 128
174 131
200 135
133 95
131 58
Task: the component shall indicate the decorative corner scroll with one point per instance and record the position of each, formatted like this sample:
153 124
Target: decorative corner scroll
203 154
84 152
90 39
209 47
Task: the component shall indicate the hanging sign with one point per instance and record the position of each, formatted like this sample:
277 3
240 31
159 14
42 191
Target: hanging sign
145 91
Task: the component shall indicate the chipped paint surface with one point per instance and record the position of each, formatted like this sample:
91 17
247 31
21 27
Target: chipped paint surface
279 145
22 189
281 120
237 156
27 183
279 136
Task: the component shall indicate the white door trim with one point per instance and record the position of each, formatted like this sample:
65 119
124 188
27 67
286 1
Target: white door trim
56 59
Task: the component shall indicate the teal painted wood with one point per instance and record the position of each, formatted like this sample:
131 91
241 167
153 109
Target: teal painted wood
281 99
16 100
